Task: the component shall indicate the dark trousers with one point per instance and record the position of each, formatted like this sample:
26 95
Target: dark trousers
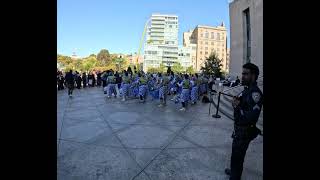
70 88
239 149
60 86
78 84
104 83
84 84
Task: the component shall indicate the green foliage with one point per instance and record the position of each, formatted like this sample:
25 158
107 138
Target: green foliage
103 57
190 70
89 63
103 61
153 70
64 61
162 68
212 66
177 68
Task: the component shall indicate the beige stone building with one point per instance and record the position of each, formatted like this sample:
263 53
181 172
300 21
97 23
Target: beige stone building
246 33
208 40
134 57
228 60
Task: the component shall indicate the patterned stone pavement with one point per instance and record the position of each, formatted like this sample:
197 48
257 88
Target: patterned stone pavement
106 139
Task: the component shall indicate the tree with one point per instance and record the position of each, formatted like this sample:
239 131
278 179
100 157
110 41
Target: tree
77 64
177 68
89 63
120 63
162 68
190 70
153 70
212 65
103 57
93 55
64 61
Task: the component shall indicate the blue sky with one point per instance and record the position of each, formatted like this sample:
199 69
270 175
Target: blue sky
87 26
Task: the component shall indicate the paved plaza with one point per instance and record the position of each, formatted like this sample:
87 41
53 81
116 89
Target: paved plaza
107 139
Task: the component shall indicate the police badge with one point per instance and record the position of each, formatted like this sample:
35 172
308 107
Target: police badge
256 97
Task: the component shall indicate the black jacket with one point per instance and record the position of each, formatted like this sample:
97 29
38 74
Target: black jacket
69 78
248 111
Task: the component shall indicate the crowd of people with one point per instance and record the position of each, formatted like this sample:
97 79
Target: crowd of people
182 88
185 88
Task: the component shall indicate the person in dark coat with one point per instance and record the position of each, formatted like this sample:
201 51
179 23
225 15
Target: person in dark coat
84 79
99 79
78 80
70 82
90 79
60 82
93 79
104 77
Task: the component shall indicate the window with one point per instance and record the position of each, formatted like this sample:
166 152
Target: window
212 35
200 52
170 26
212 43
200 42
201 35
206 48
206 42
247 30
206 53
218 49
218 36
207 35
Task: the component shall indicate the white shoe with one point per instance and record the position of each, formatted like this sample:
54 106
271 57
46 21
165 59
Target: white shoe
182 109
160 105
123 100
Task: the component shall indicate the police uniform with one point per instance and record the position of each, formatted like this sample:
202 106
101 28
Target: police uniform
246 115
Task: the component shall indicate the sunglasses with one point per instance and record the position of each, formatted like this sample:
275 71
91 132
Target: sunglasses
245 73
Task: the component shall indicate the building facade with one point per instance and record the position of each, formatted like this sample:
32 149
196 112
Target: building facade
246 31
134 59
161 41
184 57
210 40
228 61
190 44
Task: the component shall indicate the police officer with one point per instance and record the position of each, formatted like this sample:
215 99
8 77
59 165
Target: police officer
247 109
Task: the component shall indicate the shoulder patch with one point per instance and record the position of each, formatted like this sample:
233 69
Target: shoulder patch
256 97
